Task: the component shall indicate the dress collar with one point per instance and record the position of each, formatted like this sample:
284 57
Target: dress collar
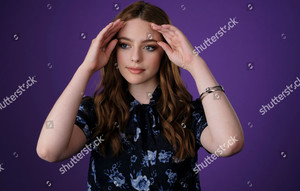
153 99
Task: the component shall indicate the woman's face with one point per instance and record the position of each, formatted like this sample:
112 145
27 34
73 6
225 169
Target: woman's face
138 54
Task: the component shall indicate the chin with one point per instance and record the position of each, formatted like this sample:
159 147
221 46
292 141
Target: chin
137 79
134 81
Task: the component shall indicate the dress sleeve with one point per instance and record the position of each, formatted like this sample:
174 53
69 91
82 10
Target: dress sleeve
86 117
198 120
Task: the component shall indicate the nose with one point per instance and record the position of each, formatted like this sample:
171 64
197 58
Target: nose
136 55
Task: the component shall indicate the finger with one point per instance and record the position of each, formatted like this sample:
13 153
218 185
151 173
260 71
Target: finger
163 32
109 31
166 48
104 30
112 33
97 41
173 39
101 36
167 31
116 26
169 40
175 31
156 26
168 35
110 47
166 28
105 39
172 28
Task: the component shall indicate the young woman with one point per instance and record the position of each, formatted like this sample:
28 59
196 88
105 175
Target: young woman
150 126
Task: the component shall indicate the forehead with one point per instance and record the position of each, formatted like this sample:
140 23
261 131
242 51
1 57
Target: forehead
138 30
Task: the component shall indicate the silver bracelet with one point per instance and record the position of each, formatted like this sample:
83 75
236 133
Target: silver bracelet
210 90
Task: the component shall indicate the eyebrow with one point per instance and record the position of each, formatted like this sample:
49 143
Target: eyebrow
144 41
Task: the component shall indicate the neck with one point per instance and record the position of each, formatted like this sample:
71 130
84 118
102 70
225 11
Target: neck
142 92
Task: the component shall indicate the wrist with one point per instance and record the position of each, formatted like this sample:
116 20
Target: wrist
196 65
83 69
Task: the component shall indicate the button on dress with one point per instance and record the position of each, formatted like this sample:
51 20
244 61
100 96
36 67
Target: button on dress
146 162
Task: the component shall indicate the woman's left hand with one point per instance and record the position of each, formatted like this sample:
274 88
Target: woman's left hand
178 49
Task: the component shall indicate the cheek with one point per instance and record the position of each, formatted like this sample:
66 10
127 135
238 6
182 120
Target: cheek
154 60
121 57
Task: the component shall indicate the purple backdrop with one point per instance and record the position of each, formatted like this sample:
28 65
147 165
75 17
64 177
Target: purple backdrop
46 41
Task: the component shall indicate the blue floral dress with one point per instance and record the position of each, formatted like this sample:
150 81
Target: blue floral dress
146 163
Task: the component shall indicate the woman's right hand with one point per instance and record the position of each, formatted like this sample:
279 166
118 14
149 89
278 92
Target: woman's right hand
102 47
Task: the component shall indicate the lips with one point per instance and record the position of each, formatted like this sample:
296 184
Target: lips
136 70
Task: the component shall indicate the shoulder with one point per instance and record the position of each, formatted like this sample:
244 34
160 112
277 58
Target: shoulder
88 100
87 109
87 104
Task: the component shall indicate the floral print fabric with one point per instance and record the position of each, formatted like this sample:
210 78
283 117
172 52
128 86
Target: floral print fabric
147 160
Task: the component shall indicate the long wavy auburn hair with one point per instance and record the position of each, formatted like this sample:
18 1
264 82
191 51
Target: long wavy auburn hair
173 105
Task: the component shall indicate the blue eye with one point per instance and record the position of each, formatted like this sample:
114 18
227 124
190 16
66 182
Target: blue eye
123 46
150 48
